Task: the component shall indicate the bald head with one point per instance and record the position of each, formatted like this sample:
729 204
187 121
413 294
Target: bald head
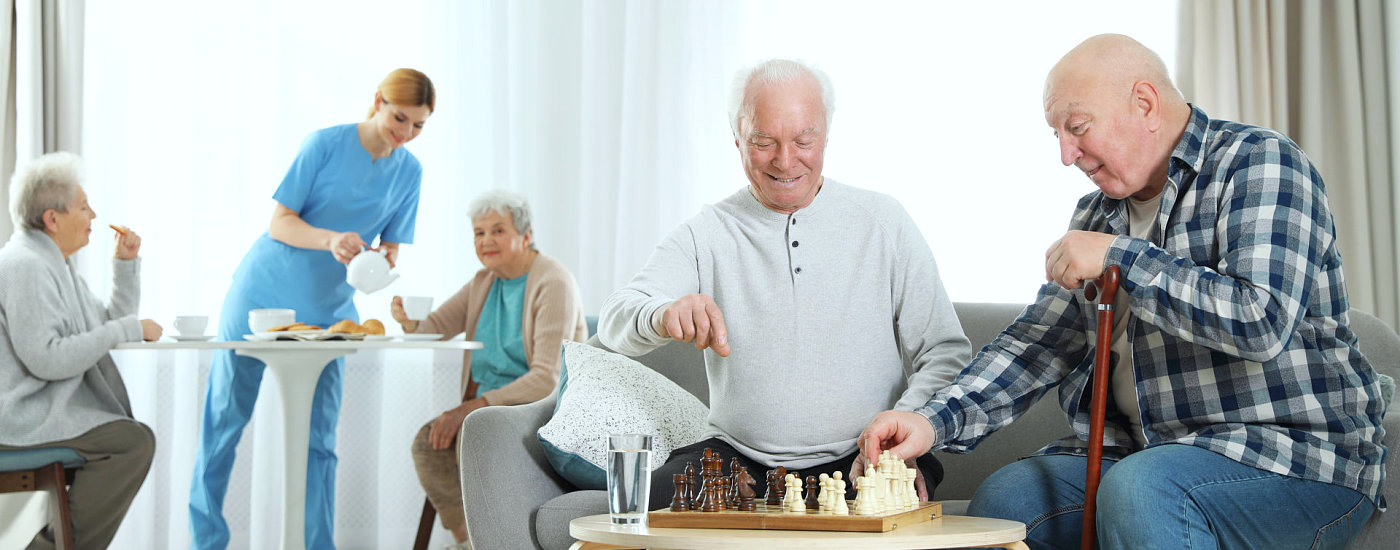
1114 61
1116 114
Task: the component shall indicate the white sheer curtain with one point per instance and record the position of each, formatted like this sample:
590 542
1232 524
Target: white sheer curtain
609 115
1316 71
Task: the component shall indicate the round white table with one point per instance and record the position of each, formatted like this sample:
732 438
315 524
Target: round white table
297 366
598 533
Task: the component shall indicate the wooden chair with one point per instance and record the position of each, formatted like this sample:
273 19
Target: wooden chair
425 520
49 470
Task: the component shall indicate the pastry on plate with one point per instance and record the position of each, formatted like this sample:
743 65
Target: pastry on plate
373 326
347 327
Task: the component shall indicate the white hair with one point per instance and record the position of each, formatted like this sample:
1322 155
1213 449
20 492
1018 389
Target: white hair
48 182
504 203
774 71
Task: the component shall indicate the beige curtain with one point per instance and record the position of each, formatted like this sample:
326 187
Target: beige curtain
42 76
1317 72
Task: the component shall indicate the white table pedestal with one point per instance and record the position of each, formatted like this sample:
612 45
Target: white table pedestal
296 372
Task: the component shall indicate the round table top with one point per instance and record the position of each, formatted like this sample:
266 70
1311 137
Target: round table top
941 532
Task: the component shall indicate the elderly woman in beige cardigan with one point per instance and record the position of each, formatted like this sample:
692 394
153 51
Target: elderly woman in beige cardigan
520 306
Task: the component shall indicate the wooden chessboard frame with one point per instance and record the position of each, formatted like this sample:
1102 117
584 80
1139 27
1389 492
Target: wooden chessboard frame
811 520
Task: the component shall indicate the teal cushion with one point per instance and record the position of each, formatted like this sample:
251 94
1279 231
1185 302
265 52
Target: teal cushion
602 392
29 459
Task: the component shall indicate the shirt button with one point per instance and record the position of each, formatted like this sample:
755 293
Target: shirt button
794 244
797 270
794 221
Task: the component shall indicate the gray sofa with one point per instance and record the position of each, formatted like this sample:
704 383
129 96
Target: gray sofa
514 499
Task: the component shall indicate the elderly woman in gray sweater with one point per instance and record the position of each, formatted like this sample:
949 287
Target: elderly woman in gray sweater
58 384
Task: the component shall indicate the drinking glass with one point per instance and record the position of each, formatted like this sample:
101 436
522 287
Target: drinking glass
629 478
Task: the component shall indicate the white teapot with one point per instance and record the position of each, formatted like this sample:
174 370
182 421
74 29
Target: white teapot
369 271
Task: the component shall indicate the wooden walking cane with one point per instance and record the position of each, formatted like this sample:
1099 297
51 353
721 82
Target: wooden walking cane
1107 287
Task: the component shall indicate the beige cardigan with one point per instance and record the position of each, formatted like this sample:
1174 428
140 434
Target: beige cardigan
553 312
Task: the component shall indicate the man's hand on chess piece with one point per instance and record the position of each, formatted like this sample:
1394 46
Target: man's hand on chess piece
445 428
694 318
858 469
899 432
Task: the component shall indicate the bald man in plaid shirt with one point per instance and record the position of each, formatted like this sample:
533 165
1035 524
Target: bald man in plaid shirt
1241 414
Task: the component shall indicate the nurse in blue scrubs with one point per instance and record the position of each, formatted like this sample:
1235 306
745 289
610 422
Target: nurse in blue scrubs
348 185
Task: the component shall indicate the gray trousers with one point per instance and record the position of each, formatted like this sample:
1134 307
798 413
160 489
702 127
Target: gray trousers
441 476
118 456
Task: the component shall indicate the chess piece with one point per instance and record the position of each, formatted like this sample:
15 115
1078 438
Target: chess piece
709 502
733 492
839 495
865 494
910 492
692 491
679 502
811 497
746 494
773 497
792 499
824 493
778 492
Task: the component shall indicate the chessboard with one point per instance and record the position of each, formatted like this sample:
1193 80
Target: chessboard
774 517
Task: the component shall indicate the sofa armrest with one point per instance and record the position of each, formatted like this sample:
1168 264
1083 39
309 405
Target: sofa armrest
1383 529
505 475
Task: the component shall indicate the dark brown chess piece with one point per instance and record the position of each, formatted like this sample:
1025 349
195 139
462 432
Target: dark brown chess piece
692 492
732 490
780 484
679 502
709 501
746 494
772 497
812 492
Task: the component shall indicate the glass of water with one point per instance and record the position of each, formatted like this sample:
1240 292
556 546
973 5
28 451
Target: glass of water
629 478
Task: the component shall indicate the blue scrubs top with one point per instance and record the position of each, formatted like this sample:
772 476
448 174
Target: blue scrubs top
501 358
333 184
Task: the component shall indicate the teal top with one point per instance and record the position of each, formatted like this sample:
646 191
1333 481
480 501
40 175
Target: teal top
501 358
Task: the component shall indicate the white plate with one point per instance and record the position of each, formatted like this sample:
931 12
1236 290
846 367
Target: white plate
196 338
260 337
377 337
419 337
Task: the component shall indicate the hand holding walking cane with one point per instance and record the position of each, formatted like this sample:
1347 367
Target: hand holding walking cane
1107 288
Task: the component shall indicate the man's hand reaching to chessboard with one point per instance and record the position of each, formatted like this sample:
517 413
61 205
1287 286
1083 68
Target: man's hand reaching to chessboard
694 318
905 434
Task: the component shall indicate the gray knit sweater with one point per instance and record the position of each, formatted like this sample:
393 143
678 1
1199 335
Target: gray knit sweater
835 313
57 380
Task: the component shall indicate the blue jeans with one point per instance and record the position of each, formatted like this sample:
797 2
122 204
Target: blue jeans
1172 496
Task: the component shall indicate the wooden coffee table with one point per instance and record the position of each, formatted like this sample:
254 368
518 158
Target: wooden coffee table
598 533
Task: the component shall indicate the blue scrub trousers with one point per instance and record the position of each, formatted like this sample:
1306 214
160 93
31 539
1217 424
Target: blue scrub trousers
233 388
1171 496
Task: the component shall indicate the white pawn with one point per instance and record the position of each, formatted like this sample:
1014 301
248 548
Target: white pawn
838 487
910 491
824 493
792 498
865 495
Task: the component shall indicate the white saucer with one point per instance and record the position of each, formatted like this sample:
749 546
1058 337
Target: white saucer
195 338
418 337
377 337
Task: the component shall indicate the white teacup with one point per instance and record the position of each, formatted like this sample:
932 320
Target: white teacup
191 325
417 307
260 320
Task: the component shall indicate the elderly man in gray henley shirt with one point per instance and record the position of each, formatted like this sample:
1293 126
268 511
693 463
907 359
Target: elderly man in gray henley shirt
58 385
818 304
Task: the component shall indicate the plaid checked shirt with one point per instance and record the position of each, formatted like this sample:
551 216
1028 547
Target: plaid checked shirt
1239 334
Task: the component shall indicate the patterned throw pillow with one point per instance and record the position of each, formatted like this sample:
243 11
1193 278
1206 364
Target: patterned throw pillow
602 392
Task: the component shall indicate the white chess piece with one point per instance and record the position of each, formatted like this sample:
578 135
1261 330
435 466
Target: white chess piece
911 492
838 486
865 494
792 499
824 494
